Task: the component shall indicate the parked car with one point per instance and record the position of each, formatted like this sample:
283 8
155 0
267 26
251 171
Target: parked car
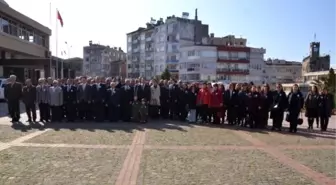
2 88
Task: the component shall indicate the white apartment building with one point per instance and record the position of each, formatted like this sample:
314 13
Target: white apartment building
282 71
97 59
198 62
256 66
165 41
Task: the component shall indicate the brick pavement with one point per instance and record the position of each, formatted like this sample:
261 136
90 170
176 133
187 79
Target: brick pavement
130 169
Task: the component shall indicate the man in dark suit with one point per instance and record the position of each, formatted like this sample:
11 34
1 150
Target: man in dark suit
99 91
29 99
127 98
70 100
113 102
84 97
13 93
144 91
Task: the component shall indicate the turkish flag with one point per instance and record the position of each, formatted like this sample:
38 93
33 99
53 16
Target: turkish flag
59 17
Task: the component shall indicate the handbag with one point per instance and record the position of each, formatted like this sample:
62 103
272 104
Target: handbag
287 117
300 120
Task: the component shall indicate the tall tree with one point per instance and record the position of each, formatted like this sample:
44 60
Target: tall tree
331 81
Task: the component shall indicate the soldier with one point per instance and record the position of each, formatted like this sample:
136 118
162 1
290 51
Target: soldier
56 101
84 95
113 102
13 93
29 99
98 98
70 100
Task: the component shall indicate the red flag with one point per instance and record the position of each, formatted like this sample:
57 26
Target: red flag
59 17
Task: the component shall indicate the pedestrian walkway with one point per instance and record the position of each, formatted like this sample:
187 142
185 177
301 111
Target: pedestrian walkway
163 152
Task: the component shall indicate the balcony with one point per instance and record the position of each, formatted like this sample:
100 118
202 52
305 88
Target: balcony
232 71
135 59
149 49
193 69
148 39
149 58
135 41
172 61
233 60
135 50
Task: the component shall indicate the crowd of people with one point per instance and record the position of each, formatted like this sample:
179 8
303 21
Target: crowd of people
110 99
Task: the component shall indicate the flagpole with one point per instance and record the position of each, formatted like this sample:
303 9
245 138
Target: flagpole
56 46
50 53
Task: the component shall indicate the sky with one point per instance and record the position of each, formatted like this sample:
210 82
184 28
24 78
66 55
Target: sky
284 27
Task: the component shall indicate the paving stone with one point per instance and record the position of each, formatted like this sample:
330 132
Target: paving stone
231 167
323 161
284 138
60 166
7 133
194 136
80 136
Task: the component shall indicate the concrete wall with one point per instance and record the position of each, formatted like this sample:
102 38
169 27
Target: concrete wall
16 44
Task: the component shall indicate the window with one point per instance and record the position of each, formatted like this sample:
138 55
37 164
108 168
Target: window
129 39
174 47
5 25
191 53
223 54
242 55
142 37
234 55
211 54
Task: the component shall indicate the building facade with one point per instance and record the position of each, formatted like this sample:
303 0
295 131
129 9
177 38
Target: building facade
315 62
75 67
198 63
22 38
99 59
233 64
161 45
256 66
282 71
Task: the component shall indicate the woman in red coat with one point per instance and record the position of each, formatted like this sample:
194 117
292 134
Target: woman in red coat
203 100
216 104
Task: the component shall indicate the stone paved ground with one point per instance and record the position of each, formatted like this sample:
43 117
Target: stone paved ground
162 152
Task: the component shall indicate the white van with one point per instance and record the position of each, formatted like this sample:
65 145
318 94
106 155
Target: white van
3 82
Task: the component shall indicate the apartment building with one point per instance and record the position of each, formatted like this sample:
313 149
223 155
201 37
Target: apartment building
282 71
198 63
99 59
164 39
224 59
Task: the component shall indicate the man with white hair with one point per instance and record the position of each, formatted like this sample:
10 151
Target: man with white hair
13 93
